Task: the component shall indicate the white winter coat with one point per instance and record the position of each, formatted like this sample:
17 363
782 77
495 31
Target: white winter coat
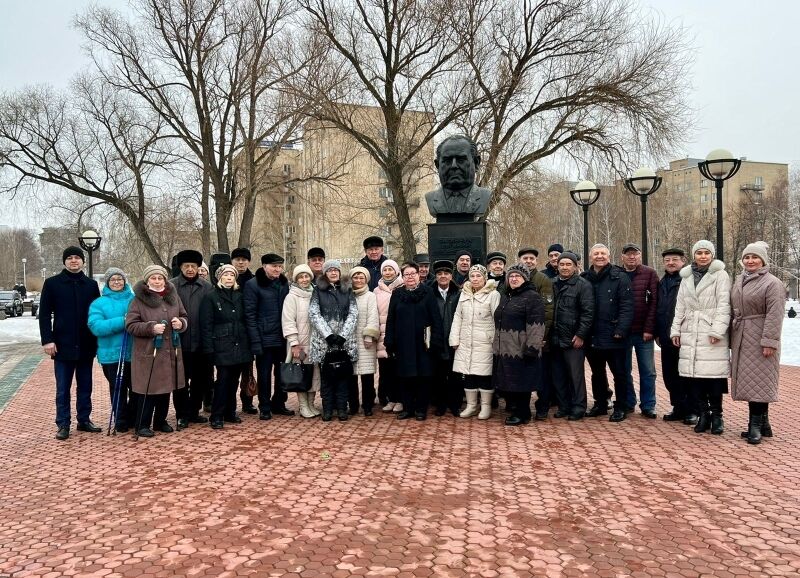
702 312
473 329
383 293
367 329
297 326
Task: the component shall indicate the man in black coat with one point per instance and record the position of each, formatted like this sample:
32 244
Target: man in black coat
197 368
553 253
240 258
373 259
425 275
674 260
496 266
315 259
263 305
573 315
447 392
66 338
613 316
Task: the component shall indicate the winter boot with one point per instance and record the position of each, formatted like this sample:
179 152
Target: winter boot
311 396
302 402
755 429
472 403
717 425
486 403
703 422
766 428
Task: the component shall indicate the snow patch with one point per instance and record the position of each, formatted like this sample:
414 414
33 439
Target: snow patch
23 329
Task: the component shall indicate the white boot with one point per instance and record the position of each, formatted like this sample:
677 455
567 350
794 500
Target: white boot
472 403
302 402
311 395
486 403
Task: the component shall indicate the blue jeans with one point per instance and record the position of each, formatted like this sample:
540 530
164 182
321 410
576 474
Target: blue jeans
645 359
82 371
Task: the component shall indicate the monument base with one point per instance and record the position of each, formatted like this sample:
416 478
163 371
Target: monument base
445 240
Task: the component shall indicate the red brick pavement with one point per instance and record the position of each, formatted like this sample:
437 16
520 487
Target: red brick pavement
378 497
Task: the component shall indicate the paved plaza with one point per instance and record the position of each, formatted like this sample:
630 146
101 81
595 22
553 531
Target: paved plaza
380 497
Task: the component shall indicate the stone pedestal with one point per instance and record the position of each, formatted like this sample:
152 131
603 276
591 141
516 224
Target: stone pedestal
447 239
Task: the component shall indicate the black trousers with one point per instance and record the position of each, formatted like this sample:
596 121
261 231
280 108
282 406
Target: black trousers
388 390
198 372
149 405
125 410
367 391
223 404
519 404
269 379
615 359
705 394
676 385
546 391
415 392
447 392
569 379
473 381
334 394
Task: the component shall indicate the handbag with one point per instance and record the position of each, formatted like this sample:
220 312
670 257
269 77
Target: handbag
250 386
295 377
337 364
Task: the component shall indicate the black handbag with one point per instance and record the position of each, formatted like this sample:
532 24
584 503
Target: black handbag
337 364
296 377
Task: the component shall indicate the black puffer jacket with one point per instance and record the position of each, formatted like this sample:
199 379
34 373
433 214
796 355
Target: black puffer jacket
665 311
613 307
263 305
573 311
447 309
223 330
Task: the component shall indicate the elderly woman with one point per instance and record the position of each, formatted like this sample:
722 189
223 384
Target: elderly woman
519 335
413 332
334 314
471 336
297 331
700 329
155 317
107 322
223 336
757 300
367 334
388 392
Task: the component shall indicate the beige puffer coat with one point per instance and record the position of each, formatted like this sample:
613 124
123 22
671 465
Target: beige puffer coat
473 329
367 328
702 312
297 326
383 293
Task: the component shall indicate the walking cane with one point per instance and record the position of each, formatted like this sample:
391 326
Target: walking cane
176 344
114 417
157 341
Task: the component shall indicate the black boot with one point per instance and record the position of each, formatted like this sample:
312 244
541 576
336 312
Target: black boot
766 429
754 430
597 409
703 422
717 425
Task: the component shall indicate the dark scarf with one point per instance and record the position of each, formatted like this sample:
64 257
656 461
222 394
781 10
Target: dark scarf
699 272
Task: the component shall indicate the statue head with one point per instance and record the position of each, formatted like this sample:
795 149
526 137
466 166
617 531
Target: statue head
457 159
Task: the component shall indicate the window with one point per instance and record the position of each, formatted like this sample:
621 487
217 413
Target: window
703 198
385 193
382 174
703 183
287 169
291 199
678 188
759 181
705 212
290 230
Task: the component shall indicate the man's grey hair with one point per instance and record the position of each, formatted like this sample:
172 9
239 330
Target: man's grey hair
599 246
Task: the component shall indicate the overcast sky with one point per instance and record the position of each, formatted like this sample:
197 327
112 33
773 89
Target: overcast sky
744 69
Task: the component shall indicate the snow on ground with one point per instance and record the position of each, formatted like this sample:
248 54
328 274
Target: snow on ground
23 329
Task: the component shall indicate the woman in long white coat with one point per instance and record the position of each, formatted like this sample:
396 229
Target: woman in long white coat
367 333
471 335
297 331
700 329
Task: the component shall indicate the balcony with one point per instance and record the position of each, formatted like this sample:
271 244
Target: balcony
747 187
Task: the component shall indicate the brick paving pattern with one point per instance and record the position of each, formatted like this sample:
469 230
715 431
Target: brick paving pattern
380 497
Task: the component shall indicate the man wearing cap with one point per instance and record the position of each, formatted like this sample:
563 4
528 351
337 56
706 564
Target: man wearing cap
613 316
573 313
496 265
424 262
263 304
373 259
673 259
315 259
553 253
197 370
66 338
240 259
644 288
463 263
529 256
446 392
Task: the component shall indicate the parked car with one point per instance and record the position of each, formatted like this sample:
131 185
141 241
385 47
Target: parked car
11 302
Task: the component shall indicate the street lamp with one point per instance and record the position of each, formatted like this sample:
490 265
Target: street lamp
719 166
643 183
585 194
24 260
90 241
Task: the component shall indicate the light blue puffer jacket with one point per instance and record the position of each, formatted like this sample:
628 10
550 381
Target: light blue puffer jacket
107 322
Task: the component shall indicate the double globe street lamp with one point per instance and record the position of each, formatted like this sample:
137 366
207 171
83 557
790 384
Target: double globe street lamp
585 194
719 166
90 242
643 183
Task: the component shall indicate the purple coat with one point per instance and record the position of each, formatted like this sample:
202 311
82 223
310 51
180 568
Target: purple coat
644 288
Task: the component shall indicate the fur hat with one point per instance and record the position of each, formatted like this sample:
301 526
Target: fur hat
360 269
759 248
331 264
271 259
111 271
241 252
70 251
391 263
373 241
151 270
315 252
519 269
189 256
704 244
443 265
568 255
299 270
226 268
496 255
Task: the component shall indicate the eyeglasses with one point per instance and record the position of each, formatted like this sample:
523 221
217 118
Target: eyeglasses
414 274
116 280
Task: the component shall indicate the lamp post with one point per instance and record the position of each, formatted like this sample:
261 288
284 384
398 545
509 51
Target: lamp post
643 183
24 261
90 241
585 194
719 166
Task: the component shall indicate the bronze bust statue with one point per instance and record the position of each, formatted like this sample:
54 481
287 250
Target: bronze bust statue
458 199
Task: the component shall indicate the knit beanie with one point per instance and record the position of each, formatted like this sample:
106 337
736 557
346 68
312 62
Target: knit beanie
111 271
151 270
242 252
463 252
226 268
480 269
520 269
558 247
299 270
703 244
360 269
568 255
759 248
70 251
391 263
331 264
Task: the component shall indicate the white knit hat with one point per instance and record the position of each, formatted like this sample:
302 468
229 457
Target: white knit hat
704 244
759 248
299 270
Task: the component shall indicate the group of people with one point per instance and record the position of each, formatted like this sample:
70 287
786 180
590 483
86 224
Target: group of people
438 334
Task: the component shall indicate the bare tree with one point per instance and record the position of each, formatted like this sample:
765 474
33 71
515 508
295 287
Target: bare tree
18 244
